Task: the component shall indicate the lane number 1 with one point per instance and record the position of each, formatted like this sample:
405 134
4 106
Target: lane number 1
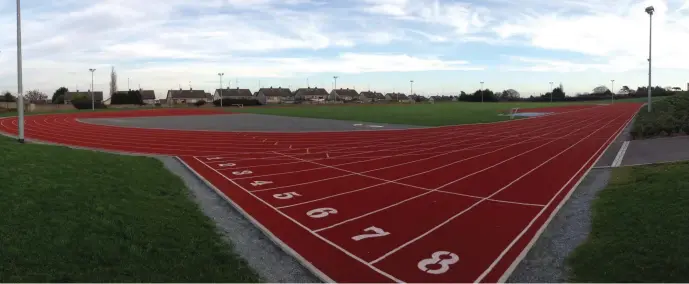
376 232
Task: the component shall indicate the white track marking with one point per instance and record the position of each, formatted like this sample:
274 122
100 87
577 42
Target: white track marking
377 232
484 199
620 155
521 256
386 181
346 252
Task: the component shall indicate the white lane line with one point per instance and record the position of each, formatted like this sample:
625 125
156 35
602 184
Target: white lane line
620 155
485 198
535 237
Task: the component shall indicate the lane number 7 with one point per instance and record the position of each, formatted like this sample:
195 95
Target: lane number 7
377 232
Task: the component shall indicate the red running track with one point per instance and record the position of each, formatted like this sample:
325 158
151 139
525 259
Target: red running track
444 204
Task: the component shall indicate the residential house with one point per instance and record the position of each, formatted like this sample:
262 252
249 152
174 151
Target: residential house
311 94
184 96
369 96
233 94
396 97
97 96
343 95
148 96
275 95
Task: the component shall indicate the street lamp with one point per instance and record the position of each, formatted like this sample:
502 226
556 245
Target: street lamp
20 97
612 91
650 11
93 104
411 87
220 75
335 78
551 92
481 91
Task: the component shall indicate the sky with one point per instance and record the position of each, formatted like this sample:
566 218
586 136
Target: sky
444 46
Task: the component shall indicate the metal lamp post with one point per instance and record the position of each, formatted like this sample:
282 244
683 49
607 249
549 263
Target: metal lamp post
481 91
93 104
551 92
650 11
220 75
20 96
612 91
411 87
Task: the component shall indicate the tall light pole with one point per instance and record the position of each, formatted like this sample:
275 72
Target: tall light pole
481 91
650 11
551 92
335 78
93 104
612 91
20 96
220 75
411 87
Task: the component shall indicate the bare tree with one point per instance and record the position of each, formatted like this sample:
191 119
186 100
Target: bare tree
35 96
113 82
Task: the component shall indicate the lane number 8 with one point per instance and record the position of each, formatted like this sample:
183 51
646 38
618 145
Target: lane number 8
442 258
321 212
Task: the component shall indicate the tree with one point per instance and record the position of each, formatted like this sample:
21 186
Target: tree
558 93
113 82
8 97
35 96
59 95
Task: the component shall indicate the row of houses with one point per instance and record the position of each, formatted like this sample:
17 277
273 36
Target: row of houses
269 95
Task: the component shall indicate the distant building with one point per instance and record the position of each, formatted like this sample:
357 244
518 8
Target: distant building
233 93
369 96
275 95
343 95
311 94
184 96
397 97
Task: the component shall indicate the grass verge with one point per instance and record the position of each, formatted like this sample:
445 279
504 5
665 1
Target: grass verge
83 216
640 228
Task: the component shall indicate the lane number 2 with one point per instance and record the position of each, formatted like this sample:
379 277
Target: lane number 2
227 165
376 232
240 173
321 212
439 258
286 195
260 182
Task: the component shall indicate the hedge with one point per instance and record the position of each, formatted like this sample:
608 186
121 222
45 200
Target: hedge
226 102
669 117
84 103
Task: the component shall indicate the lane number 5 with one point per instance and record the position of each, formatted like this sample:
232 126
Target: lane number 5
286 195
376 232
439 258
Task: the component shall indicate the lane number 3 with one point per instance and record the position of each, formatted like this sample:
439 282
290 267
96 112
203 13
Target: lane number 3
376 232
321 212
439 258
239 173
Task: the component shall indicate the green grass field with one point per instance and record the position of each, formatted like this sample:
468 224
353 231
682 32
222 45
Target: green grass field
82 216
640 230
424 114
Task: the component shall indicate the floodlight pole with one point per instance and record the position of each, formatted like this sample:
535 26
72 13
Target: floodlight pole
335 78
612 91
220 75
411 87
650 11
20 96
93 104
481 91
551 92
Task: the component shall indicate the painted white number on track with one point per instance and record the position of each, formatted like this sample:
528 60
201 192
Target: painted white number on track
260 182
247 172
439 258
321 212
227 165
286 195
213 158
376 232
